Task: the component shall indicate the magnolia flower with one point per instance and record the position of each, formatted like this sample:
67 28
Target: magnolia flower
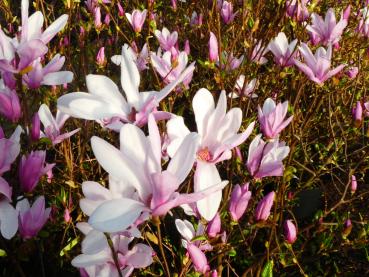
230 62
283 52
170 68
49 75
265 159
353 184
8 215
32 41
214 226
100 58
9 149
137 19
352 72
198 258
213 48
97 260
32 219
258 52
141 58
263 208
166 39
363 27
138 164
218 136
97 17
326 31
188 233
271 118
9 103
240 198
290 231
227 12
297 9
357 113
106 104
35 130
53 126
243 89
317 67
196 20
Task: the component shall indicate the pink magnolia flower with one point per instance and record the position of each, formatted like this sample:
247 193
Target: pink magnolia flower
363 27
97 260
9 103
297 9
243 89
230 62
8 215
53 126
326 31
353 184
31 168
317 67
32 219
9 149
170 67
227 12
214 226
166 39
121 12
240 198
49 75
136 19
346 13
97 17
198 258
258 52
213 48
109 107
352 72
263 208
218 136
357 113
100 58
196 20
272 118
31 44
290 231
283 52
265 159
139 161
35 130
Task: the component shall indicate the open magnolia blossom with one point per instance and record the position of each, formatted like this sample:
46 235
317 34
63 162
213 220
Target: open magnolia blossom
9 149
218 136
326 31
31 43
138 164
166 39
105 104
283 51
242 89
317 67
8 215
97 259
52 126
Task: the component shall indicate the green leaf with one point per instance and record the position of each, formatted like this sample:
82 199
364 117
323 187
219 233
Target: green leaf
2 253
268 269
69 246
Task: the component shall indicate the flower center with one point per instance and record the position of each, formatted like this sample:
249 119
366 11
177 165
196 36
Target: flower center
204 154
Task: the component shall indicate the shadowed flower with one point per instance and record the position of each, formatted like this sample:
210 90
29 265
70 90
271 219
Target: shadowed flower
290 231
9 103
8 215
263 208
297 9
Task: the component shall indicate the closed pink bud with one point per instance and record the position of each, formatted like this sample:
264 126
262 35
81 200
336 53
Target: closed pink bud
357 113
120 10
214 226
240 198
187 48
32 219
97 18
227 12
346 13
263 208
347 227
31 168
214 273
35 131
9 104
107 19
67 217
198 258
100 58
238 153
213 48
290 232
353 184
174 4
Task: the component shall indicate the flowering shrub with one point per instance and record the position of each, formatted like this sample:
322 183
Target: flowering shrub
183 138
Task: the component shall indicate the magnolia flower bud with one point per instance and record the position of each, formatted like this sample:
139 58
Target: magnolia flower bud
35 131
347 227
353 184
214 226
100 58
198 258
239 200
357 113
263 208
290 232
31 168
213 48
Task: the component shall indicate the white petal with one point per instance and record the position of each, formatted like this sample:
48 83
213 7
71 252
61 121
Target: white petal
116 215
185 228
84 260
207 175
46 117
57 78
94 242
203 105
54 28
8 219
35 23
182 162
